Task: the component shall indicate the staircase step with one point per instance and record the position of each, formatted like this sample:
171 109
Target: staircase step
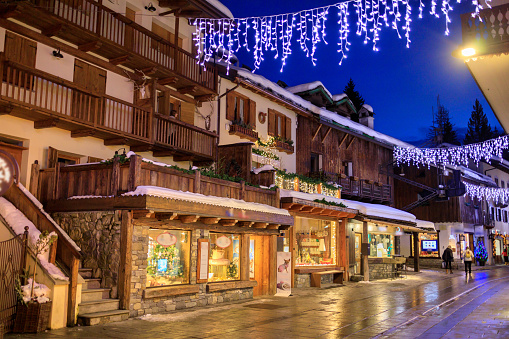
86 273
92 283
98 306
94 294
90 319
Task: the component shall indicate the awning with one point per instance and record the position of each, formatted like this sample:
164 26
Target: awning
426 226
313 205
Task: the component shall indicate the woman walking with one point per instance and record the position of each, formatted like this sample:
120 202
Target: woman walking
469 255
448 257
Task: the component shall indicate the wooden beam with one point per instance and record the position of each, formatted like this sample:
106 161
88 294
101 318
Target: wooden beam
163 153
287 205
80 133
173 3
188 89
137 214
260 225
165 216
90 46
46 123
306 208
176 94
350 142
209 221
171 11
273 226
168 81
141 148
316 132
52 30
296 207
245 223
121 59
228 222
206 97
187 219
326 134
148 70
10 11
342 140
115 142
191 14
187 157
125 267
7 109
73 291
316 210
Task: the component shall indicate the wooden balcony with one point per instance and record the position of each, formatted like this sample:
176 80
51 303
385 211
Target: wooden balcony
54 102
95 28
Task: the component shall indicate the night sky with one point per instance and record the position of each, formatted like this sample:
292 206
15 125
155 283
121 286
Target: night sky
401 84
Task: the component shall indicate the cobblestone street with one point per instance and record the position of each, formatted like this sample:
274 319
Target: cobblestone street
425 305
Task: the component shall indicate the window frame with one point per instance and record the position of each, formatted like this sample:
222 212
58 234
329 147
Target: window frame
280 126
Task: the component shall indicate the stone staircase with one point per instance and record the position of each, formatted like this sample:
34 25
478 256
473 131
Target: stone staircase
96 307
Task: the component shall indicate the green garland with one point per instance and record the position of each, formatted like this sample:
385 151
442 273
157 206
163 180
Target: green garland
305 179
265 154
330 203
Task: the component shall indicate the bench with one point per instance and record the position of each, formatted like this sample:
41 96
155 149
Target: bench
316 277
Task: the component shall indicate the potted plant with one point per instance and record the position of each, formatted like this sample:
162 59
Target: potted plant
34 306
480 253
284 145
243 130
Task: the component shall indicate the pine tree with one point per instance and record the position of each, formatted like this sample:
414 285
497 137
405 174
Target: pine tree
478 127
442 130
355 98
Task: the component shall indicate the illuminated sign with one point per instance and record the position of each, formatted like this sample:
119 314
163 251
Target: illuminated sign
429 245
8 171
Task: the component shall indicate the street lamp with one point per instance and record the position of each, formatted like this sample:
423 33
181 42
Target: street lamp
467 52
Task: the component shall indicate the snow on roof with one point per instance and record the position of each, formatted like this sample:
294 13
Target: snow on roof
264 168
425 225
373 210
308 87
338 97
17 222
218 5
368 107
473 175
332 117
205 199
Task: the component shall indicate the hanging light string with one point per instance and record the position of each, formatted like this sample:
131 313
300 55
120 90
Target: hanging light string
453 156
487 193
274 33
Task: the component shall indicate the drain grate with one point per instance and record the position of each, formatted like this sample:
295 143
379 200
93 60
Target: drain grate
265 306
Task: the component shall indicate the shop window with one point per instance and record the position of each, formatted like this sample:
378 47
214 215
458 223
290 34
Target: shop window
314 240
380 245
505 216
496 181
498 215
492 213
279 125
168 257
241 110
348 168
316 162
428 245
224 260
502 184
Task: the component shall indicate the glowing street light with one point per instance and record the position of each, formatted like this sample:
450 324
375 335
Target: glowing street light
468 51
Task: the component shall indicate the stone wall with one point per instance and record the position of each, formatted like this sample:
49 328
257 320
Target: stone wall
381 271
304 280
141 305
435 263
98 236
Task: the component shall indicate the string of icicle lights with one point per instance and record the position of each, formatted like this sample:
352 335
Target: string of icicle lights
454 156
274 33
487 193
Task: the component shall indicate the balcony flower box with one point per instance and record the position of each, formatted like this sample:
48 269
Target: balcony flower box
354 178
243 132
284 147
367 181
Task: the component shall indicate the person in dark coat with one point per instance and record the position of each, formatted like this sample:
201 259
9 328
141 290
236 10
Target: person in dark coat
448 257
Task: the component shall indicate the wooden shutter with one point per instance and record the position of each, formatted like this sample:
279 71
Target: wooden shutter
272 122
81 73
20 50
52 157
252 113
163 103
288 129
230 106
28 53
89 77
187 112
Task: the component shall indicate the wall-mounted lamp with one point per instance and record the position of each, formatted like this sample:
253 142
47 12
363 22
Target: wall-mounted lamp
150 7
57 54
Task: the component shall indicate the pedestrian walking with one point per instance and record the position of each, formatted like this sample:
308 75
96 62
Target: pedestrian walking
448 258
469 256
505 255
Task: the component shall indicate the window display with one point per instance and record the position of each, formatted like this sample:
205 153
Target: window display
224 257
168 257
314 241
428 245
380 245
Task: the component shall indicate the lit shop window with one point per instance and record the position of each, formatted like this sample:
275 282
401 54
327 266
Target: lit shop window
380 245
224 260
168 257
315 240
428 245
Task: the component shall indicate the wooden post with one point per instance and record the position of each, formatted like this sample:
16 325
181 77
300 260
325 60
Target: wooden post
134 172
293 250
416 251
152 126
34 179
197 181
365 244
341 247
278 198
244 263
56 181
124 272
273 265
25 253
242 190
115 177
52 256
176 44
73 289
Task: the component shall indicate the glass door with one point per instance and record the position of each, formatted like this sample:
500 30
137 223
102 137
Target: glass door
358 241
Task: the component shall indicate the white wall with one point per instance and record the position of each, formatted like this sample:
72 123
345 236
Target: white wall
405 243
61 67
119 87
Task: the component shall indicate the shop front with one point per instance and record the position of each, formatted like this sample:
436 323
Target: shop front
499 243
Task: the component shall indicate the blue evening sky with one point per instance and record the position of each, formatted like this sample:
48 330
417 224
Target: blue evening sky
401 84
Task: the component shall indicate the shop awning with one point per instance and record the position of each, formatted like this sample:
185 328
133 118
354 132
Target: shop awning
306 203
426 226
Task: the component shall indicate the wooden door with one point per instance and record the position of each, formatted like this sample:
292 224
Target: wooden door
129 31
90 79
358 242
20 50
260 246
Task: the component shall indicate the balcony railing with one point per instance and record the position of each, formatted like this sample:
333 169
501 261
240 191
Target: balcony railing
41 96
87 21
492 30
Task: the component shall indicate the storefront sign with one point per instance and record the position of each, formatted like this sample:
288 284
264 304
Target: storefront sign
8 171
223 241
203 261
429 245
166 239
284 274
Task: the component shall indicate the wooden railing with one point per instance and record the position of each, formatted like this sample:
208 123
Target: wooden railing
492 30
60 98
108 24
67 252
113 179
185 137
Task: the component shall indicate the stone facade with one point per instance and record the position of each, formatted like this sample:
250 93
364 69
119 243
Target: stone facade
141 305
381 271
436 263
304 280
98 236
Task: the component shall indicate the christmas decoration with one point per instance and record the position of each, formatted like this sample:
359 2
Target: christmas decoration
480 253
164 261
487 193
454 156
295 182
232 270
274 33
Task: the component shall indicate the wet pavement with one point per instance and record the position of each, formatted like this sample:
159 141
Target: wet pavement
424 305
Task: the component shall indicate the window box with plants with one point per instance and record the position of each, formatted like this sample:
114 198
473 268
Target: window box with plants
284 145
243 130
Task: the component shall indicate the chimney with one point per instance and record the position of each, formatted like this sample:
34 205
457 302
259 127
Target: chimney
366 116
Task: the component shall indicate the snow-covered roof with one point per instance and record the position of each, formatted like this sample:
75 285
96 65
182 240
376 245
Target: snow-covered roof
338 97
219 6
425 225
308 87
368 107
369 210
205 199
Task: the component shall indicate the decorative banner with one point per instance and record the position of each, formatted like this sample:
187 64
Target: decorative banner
454 156
166 239
487 193
223 241
8 170
274 33
284 274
